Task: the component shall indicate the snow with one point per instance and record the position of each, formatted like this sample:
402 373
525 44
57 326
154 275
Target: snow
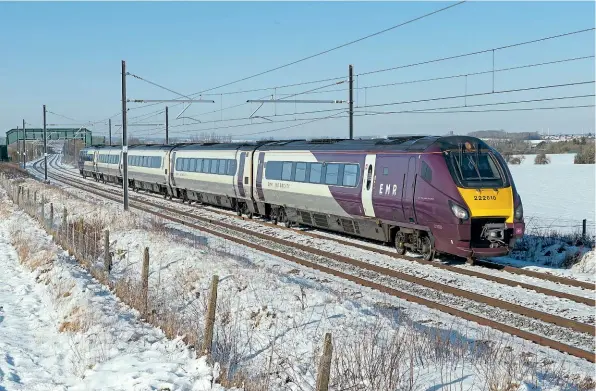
61 330
558 195
272 312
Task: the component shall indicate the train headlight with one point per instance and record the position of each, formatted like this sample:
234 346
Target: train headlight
458 211
519 212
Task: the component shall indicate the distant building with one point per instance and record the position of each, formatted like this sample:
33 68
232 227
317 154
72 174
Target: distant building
52 134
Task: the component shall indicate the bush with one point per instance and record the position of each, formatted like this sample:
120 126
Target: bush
517 159
585 155
541 158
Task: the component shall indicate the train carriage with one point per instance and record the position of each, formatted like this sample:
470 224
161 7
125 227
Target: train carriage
107 165
86 161
205 173
147 167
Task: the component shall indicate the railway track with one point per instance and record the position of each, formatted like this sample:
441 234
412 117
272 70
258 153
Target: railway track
511 318
378 249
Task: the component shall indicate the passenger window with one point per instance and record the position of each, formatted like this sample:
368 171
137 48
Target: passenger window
186 164
193 165
286 173
350 175
273 170
369 177
199 165
222 167
213 166
300 175
315 172
232 167
178 164
385 170
332 174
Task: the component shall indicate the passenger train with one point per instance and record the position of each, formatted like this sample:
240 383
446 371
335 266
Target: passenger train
425 194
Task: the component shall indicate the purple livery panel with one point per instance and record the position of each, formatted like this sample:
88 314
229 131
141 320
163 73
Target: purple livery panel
259 181
349 198
240 180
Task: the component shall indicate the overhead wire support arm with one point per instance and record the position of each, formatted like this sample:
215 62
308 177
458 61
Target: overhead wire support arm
170 100
294 101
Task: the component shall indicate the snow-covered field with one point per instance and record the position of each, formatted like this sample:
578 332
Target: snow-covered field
61 330
558 195
272 315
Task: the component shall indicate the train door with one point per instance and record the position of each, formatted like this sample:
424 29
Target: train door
165 165
240 185
408 192
172 167
258 194
120 163
95 160
368 179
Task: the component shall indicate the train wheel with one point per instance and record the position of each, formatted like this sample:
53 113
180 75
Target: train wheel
399 243
427 250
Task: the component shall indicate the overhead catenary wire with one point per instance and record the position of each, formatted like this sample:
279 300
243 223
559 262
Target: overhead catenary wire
460 96
409 111
370 72
328 50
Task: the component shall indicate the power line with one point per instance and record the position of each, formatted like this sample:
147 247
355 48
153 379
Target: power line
332 49
430 110
460 75
477 52
410 111
408 101
329 50
398 67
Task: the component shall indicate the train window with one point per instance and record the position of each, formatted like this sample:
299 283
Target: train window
186 164
206 163
315 172
222 167
193 164
232 167
273 170
300 175
199 165
332 174
369 177
214 163
350 175
178 164
385 170
426 172
286 172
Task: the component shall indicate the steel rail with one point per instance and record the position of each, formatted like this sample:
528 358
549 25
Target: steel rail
577 326
472 273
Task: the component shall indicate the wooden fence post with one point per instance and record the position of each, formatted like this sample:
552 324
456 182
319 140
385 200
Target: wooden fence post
35 197
145 280
325 365
210 321
64 221
51 216
107 258
584 228
43 214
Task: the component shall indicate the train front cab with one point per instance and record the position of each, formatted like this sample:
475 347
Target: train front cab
488 210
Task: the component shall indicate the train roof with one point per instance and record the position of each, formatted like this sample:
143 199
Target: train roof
413 143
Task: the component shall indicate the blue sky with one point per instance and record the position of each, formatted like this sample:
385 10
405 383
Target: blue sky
68 56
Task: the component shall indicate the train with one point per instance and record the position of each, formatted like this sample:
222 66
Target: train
425 194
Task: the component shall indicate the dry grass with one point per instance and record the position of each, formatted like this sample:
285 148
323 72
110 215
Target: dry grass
380 359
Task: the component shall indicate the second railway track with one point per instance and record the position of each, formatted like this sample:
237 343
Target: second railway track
511 318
